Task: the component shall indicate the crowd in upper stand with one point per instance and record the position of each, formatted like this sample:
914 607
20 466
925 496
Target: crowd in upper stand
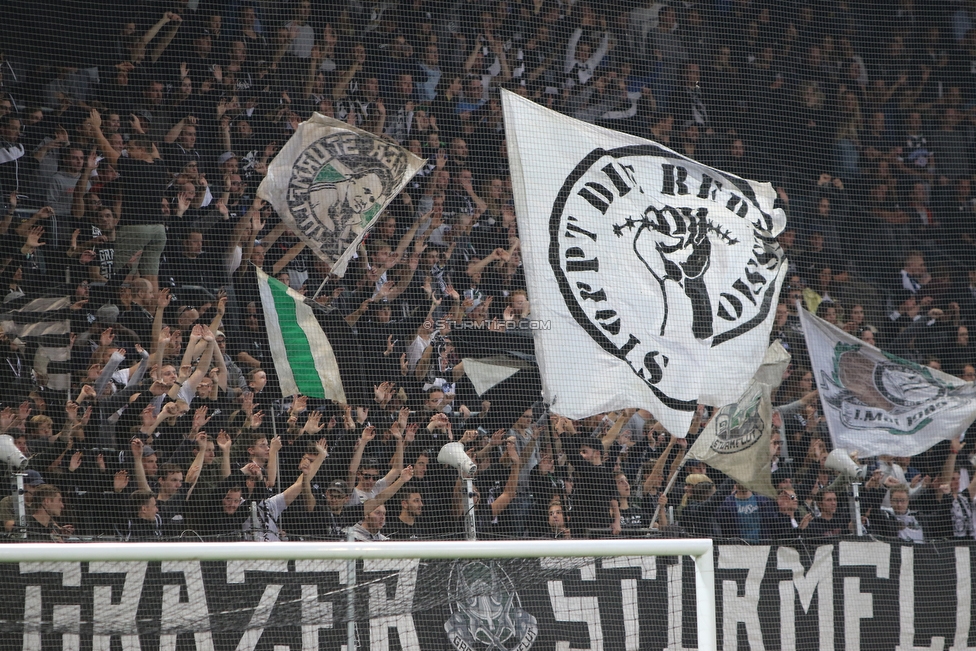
129 162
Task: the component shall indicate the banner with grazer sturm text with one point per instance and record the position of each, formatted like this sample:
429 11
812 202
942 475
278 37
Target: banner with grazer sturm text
659 275
814 596
330 182
876 403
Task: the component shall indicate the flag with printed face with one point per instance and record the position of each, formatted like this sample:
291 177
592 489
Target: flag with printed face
303 357
655 278
330 182
876 403
736 440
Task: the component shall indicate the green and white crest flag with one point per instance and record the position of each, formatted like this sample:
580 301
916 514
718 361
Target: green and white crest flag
655 277
303 357
876 403
330 182
736 440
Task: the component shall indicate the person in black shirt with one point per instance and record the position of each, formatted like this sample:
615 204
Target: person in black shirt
42 524
408 525
145 523
593 492
143 180
829 524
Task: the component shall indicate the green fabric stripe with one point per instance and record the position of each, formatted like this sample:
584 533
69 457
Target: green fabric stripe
300 356
278 352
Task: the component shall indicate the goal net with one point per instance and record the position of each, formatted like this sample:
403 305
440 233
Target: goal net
398 595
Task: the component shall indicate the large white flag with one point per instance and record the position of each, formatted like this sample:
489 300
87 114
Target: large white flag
655 277
876 403
331 180
736 440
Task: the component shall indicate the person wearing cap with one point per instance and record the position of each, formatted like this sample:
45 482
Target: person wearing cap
332 517
367 472
8 505
697 517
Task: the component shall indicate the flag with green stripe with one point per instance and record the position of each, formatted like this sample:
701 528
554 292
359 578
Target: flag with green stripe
303 357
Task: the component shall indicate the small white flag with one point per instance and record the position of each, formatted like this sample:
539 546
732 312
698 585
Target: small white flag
736 440
876 403
330 181
657 276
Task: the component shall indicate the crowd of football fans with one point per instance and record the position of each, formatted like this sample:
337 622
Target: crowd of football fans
129 164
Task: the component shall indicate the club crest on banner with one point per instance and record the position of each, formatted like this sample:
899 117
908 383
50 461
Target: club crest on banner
486 612
680 225
738 427
879 391
338 185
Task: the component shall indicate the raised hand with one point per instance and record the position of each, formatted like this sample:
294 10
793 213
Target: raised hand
148 416
75 462
407 474
369 433
411 433
200 418
224 441
34 236
121 481
314 423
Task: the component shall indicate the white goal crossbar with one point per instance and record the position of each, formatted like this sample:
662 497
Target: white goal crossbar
699 549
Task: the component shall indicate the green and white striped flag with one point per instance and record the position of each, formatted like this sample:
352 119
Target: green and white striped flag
302 354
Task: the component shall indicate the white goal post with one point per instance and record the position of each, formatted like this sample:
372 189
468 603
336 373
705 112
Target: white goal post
701 550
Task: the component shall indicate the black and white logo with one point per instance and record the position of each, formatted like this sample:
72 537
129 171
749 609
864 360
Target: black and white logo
660 258
339 184
486 612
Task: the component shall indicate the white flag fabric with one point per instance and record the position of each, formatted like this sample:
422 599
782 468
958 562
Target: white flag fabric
876 403
303 357
330 181
655 277
774 364
736 440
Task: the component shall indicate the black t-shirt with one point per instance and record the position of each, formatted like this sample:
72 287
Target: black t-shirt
143 187
635 517
592 491
320 524
396 529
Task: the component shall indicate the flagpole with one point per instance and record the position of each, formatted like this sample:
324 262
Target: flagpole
319 290
274 433
667 489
